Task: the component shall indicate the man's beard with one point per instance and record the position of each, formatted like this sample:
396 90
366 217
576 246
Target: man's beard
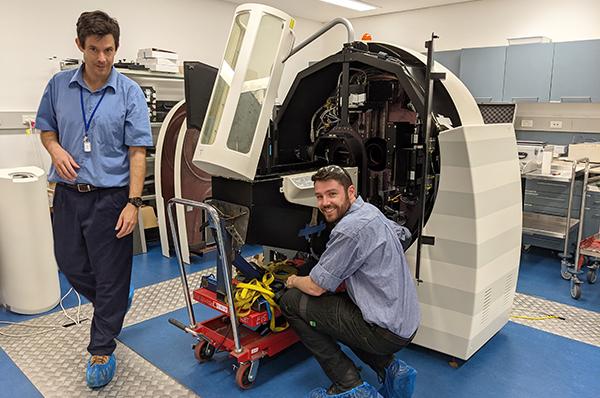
341 210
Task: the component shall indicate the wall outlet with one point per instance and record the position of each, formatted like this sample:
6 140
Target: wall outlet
526 123
29 118
556 124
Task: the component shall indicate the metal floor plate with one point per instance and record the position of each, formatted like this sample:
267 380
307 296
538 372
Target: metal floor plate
55 361
579 324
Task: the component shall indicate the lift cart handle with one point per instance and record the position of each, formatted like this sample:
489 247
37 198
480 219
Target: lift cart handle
222 260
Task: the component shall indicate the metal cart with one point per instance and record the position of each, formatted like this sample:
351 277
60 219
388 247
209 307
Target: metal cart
587 251
555 226
246 344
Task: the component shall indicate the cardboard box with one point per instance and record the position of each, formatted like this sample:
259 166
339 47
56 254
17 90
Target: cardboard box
589 150
149 217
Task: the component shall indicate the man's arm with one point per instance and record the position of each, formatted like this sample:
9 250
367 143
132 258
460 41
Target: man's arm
137 173
403 234
305 284
137 170
63 162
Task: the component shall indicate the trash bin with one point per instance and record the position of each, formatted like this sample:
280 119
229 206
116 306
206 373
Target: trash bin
28 272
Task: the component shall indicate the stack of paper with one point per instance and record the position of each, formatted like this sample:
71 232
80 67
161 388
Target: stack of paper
158 60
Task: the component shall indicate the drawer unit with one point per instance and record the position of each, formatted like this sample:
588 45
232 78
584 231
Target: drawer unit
552 198
591 224
555 244
553 187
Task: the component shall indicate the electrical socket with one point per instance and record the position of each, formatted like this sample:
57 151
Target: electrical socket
556 124
26 119
526 123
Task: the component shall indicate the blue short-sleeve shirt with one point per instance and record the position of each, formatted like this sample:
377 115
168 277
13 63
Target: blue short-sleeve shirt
121 120
365 249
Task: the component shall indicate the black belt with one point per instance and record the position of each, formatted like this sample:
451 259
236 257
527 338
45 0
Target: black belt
80 187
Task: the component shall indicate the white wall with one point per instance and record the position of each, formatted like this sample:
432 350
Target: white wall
34 31
483 23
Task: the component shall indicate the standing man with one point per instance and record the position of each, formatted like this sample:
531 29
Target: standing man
379 313
95 126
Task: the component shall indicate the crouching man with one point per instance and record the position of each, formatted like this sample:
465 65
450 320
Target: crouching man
378 314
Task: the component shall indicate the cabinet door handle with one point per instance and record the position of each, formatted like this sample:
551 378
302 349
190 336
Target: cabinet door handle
525 99
548 198
576 99
550 184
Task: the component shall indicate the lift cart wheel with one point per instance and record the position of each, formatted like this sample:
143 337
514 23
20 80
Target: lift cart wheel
241 376
564 271
592 275
575 290
203 351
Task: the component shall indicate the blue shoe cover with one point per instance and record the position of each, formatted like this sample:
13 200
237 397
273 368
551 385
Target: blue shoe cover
130 297
399 380
99 375
365 390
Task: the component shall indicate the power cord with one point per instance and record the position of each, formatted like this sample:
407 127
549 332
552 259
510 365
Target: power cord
541 317
48 328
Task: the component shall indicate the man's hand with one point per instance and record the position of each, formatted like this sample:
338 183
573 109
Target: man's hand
305 284
289 283
64 163
127 220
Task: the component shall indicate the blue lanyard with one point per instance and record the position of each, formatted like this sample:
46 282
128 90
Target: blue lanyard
87 123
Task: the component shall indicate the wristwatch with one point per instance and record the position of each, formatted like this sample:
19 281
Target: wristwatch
136 201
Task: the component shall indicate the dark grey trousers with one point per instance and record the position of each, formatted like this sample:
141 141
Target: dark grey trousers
322 321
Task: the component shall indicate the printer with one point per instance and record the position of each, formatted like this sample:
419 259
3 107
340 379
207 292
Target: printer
534 155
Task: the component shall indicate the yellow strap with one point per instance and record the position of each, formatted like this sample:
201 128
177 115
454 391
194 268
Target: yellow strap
247 293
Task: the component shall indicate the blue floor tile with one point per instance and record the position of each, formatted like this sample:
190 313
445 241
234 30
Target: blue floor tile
517 362
539 275
13 382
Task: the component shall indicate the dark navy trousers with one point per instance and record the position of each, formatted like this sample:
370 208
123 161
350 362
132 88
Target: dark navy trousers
95 262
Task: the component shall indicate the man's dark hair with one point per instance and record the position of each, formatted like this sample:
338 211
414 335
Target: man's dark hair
333 172
97 23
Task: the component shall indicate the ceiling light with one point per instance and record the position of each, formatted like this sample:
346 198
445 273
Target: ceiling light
351 4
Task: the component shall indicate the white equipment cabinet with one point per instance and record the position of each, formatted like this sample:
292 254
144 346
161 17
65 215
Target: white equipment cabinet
28 272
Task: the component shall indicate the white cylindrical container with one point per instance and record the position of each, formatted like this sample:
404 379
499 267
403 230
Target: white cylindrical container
547 160
28 272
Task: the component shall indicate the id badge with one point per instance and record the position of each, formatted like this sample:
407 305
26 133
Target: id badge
87 144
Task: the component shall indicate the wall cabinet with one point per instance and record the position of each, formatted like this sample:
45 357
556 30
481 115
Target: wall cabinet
575 76
528 72
539 72
482 71
450 59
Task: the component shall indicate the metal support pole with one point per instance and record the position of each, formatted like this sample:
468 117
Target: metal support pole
581 214
345 94
325 28
574 164
569 207
426 137
223 261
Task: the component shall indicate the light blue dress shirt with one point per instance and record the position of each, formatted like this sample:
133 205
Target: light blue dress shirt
120 121
365 251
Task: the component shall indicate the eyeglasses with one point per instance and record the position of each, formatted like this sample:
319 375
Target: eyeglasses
333 169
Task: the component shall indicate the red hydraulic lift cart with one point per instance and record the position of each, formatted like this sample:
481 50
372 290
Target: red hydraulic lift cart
245 343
